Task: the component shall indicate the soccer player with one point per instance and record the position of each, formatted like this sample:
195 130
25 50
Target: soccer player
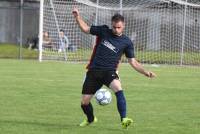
111 44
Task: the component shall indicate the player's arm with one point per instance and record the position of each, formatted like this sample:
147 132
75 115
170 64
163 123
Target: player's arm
82 24
138 67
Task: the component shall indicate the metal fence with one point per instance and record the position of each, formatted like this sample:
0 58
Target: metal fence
10 21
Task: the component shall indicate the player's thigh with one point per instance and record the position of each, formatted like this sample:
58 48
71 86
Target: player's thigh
91 84
115 85
112 81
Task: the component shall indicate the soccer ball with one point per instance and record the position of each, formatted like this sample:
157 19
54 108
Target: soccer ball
103 96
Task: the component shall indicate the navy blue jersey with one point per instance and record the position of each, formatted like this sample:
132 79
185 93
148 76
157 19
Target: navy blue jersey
109 49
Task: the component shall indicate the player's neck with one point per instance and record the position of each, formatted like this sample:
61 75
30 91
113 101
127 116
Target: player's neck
118 34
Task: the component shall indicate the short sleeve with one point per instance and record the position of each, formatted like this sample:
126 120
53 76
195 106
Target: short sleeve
98 30
129 50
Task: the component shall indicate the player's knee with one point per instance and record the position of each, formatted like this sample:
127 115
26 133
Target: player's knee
117 89
85 102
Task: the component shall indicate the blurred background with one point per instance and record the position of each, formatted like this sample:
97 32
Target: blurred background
14 14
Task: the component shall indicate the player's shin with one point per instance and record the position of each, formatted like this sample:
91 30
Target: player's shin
88 110
121 104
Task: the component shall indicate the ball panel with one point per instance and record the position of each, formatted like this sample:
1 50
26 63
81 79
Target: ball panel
99 96
103 96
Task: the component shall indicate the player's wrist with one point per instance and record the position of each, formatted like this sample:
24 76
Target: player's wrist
77 17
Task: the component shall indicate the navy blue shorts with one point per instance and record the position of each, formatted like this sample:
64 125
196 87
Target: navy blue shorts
95 79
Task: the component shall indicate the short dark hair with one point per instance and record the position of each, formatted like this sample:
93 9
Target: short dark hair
117 17
61 30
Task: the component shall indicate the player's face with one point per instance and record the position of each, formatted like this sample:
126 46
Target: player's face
61 34
117 28
46 34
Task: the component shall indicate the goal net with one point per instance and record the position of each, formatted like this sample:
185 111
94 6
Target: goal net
163 31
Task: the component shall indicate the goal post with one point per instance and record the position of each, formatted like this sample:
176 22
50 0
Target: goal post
41 29
163 31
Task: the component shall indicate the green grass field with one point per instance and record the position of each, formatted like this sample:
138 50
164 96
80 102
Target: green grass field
44 98
12 51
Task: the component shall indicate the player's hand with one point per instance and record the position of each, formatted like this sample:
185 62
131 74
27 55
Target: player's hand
150 74
75 12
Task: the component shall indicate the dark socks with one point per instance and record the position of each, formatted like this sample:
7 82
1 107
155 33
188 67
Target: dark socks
121 103
88 110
